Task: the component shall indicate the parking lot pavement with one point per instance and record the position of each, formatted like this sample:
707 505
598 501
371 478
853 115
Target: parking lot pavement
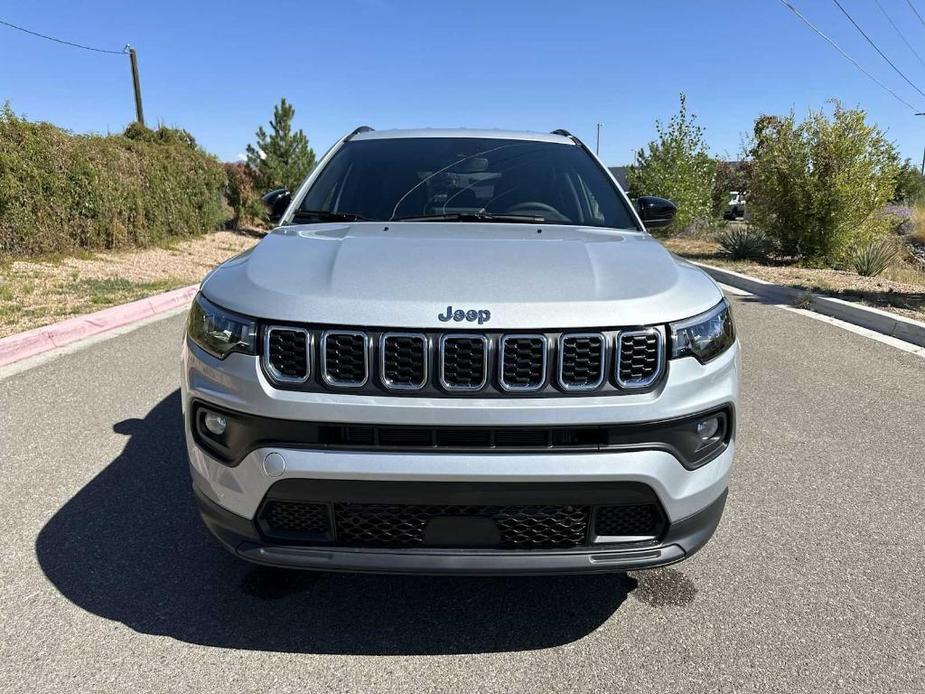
812 583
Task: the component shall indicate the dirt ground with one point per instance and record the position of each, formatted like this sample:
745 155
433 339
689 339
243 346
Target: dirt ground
40 291
900 289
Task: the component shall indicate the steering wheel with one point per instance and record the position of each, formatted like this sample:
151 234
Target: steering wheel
538 206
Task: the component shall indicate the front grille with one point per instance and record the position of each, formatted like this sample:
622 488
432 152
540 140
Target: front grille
581 361
639 357
523 362
457 364
344 358
463 362
404 525
403 361
642 521
287 354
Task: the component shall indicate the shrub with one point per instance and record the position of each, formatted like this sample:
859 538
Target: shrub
61 192
872 257
677 166
817 187
910 184
242 195
743 242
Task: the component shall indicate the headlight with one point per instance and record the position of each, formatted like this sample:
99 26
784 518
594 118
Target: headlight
705 336
218 331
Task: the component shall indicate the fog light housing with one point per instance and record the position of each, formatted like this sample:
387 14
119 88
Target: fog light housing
215 423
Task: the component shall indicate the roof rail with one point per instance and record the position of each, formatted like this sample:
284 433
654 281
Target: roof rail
357 131
563 132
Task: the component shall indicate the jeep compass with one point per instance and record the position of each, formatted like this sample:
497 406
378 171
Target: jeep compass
460 352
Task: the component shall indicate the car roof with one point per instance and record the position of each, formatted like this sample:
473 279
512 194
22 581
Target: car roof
463 132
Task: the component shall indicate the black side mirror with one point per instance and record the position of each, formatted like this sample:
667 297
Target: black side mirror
656 212
277 201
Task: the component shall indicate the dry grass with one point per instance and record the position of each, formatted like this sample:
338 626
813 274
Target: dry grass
45 290
918 222
900 289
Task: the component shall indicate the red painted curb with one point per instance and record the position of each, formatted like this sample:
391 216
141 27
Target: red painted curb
28 344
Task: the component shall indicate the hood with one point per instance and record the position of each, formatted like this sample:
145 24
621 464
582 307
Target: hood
407 274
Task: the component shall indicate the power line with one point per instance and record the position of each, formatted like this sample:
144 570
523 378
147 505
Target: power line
901 35
877 48
848 57
66 43
912 7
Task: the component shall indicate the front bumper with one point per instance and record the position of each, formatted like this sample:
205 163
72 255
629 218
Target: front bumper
230 496
683 539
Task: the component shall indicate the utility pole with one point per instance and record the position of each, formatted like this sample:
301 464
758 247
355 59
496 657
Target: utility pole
136 83
597 146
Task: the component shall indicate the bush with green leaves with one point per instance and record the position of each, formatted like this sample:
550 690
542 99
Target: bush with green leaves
282 157
817 186
743 242
910 184
61 192
676 165
242 195
872 257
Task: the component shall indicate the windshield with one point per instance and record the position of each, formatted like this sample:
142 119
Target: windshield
459 178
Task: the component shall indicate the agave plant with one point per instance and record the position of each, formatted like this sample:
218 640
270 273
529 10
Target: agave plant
870 258
743 242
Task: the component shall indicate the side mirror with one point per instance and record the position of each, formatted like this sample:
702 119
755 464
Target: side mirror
656 212
277 201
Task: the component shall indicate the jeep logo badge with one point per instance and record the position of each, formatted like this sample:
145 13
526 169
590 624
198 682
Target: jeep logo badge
459 315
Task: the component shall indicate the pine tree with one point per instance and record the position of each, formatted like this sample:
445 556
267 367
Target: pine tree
282 158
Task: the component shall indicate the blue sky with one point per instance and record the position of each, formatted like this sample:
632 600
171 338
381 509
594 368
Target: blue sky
217 68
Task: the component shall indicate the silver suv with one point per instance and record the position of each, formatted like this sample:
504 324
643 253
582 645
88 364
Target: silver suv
461 352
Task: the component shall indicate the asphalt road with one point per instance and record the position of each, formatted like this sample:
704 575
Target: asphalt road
814 581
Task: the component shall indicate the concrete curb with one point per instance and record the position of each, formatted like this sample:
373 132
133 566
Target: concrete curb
28 344
871 318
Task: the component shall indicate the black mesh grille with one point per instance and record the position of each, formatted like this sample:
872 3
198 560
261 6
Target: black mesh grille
582 361
284 517
345 356
542 524
404 361
614 521
402 525
288 352
639 357
464 362
523 362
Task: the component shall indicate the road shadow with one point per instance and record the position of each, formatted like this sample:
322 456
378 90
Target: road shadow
130 547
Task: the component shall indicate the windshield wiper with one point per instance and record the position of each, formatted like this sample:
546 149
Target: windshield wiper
473 217
329 216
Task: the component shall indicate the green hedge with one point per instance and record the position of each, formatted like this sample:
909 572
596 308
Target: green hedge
61 192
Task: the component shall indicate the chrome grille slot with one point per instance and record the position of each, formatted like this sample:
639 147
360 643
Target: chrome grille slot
344 358
403 361
581 361
463 362
287 354
640 357
522 366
